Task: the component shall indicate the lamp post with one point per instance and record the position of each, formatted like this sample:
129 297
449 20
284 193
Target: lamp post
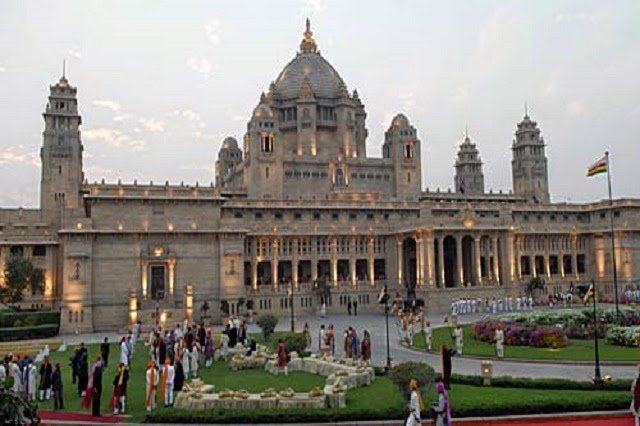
293 323
384 298
597 380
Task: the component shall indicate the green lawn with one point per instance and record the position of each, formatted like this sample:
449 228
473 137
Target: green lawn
577 350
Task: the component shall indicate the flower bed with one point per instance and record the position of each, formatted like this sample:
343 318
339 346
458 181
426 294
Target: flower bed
517 334
623 336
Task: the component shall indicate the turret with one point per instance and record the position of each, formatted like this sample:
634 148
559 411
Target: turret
529 163
469 179
402 146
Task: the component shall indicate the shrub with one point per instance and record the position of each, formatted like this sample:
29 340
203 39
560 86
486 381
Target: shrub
521 334
547 337
623 336
267 324
296 342
28 332
403 373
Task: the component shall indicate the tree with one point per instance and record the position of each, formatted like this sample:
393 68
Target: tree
268 325
20 275
536 283
322 289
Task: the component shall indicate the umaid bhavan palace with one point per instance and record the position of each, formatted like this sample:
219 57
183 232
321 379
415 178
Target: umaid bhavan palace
298 201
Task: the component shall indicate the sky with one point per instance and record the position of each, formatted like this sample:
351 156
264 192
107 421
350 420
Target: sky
162 83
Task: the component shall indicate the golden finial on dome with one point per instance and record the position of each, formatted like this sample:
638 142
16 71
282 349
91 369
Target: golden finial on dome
308 44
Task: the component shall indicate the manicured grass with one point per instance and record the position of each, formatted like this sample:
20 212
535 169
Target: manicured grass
220 375
577 350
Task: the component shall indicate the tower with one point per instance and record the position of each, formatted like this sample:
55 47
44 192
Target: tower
402 146
529 163
229 174
61 153
469 179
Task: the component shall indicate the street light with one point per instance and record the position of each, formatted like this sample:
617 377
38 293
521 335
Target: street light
293 323
384 298
597 380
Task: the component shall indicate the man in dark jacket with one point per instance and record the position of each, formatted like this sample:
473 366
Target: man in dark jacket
56 387
97 387
104 351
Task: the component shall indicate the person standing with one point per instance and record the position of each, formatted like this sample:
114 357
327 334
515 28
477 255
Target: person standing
349 307
355 308
635 399
442 407
45 379
500 341
415 405
283 357
178 380
195 359
124 352
152 384
119 399
3 374
458 334
322 338
31 375
96 395
104 351
428 336
366 347
14 370
446 355
208 350
74 365
83 370
166 386
56 386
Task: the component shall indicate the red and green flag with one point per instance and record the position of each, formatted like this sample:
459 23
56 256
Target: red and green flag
598 167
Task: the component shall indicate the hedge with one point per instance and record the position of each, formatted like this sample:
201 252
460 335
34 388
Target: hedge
28 332
548 384
8 318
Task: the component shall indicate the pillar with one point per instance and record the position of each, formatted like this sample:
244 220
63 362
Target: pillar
314 269
547 267
254 273
274 264
517 241
133 306
294 264
352 262
400 261
478 260
172 275
334 261
430 261
371 260
189 301
532 263
419 261
144 279
460 278
496 261
574 256
441 260
511 267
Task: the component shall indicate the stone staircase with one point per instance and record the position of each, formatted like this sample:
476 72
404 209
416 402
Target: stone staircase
31 347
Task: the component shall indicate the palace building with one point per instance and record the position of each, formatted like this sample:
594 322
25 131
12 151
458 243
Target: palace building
298 201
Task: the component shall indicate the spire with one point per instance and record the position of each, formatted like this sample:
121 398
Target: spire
308 44
466 132
526 110
63 79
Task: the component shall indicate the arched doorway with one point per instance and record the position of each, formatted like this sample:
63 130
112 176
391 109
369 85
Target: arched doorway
450 256
409 258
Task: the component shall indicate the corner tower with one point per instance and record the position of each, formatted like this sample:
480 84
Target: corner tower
61 153
402 146
529 163
469 178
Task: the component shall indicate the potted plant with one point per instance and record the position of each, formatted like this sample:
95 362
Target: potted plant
249 305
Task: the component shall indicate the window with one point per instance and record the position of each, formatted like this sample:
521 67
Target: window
258 215
16 251
39 251
59 170
369 216
316 216
297 215
408 151
237 215
353 216
157 281
278 215
335 216
266 172
267 143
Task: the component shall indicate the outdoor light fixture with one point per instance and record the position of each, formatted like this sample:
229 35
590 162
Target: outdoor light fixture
486 371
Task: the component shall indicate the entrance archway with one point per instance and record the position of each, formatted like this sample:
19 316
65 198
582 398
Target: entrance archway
468 249
409 263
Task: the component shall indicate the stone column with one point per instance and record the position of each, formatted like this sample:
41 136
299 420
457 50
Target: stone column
561 263
574 256
441 260
487 261
144 279
460 278
254 263
478 266
419 261
352 261
334 261
511 267
532 263
547 267
371 260
496 260
274 263
172 275
517 249
314 269
400 261
430 274
294 263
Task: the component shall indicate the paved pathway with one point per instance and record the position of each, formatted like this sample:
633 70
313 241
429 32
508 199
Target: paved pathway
375 324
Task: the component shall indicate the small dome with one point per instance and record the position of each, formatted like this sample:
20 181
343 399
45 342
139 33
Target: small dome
229 143
400 120
263 111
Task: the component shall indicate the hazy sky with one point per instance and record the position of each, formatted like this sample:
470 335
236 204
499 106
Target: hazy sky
161 83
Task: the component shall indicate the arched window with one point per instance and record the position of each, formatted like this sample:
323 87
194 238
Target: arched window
267 143
408 151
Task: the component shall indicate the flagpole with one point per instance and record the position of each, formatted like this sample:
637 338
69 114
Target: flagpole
613 244
597 380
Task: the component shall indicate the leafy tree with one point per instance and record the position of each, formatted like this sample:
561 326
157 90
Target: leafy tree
14 409
403 373
268 325
322 289
20 275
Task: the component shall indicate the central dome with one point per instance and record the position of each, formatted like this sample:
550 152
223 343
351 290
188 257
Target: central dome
309 65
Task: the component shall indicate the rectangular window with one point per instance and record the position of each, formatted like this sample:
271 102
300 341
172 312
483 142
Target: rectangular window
335 216
581 264
238 215
278 215
258 215
297 215
39 251
316 216
353 216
